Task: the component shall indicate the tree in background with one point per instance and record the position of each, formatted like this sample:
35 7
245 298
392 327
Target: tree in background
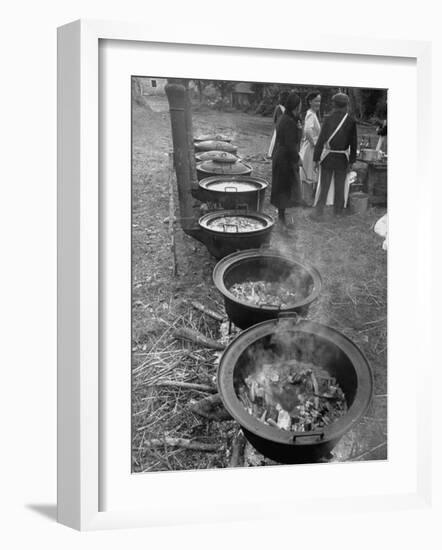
366 104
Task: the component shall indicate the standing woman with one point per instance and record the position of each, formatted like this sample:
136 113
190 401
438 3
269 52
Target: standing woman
312 128
286 160
277 114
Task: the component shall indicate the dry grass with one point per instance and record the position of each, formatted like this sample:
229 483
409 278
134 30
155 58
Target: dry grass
347 253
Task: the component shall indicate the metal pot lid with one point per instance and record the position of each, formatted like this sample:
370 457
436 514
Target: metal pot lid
213 137
233 183
215 146
232 186
214 167
218 156
230 221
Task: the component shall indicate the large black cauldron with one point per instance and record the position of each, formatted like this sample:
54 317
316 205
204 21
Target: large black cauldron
304 340
232 192
218 167
268 265
229 238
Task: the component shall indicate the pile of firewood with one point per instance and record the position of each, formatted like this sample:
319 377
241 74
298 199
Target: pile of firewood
293 396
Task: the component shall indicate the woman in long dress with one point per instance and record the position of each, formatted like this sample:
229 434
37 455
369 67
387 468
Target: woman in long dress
286 160
311 130
277 114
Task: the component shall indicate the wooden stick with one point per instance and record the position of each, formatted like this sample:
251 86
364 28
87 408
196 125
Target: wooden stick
186 385
211 408
238 447
185 333
207 311
183 444
172 217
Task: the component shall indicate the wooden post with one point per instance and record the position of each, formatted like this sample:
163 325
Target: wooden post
176 96
172 217
189 130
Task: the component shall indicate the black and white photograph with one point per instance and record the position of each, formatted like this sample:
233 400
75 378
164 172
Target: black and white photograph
259 274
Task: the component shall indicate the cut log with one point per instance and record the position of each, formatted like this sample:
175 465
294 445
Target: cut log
238 447
190 335
207 311
211 408
186 386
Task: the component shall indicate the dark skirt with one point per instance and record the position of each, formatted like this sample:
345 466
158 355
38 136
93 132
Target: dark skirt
286 185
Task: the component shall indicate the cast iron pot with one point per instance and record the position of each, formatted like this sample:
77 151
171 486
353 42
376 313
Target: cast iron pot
213 145
232 192
212 137
221 244
218 167
220 156
268 265
313 342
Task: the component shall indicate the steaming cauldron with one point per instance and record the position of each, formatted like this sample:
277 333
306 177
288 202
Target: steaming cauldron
234 191
268 265
313 342
224 235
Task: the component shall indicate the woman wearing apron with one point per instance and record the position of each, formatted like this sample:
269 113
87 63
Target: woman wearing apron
312 128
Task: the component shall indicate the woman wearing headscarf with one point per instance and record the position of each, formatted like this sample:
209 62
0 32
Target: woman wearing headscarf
286 160
277 114
312 128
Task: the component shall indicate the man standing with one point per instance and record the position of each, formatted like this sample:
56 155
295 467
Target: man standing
334 154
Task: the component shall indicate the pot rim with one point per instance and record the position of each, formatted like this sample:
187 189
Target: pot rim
201 146
250 423
206 218
261 183
226 262
200 153
214 137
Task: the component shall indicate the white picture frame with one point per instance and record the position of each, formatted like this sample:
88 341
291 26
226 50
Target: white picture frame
79 293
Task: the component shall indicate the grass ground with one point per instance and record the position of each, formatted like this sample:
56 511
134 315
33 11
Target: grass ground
347 253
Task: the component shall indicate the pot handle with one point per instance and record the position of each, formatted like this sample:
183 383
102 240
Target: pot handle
226 225
316 433
289 315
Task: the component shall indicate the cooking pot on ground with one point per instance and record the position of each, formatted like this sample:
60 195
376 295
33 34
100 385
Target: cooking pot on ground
212 137
212 145
226 233
234 191
220 167
220 156
303 340
264 265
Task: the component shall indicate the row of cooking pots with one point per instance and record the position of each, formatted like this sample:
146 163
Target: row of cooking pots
242 258
285 333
